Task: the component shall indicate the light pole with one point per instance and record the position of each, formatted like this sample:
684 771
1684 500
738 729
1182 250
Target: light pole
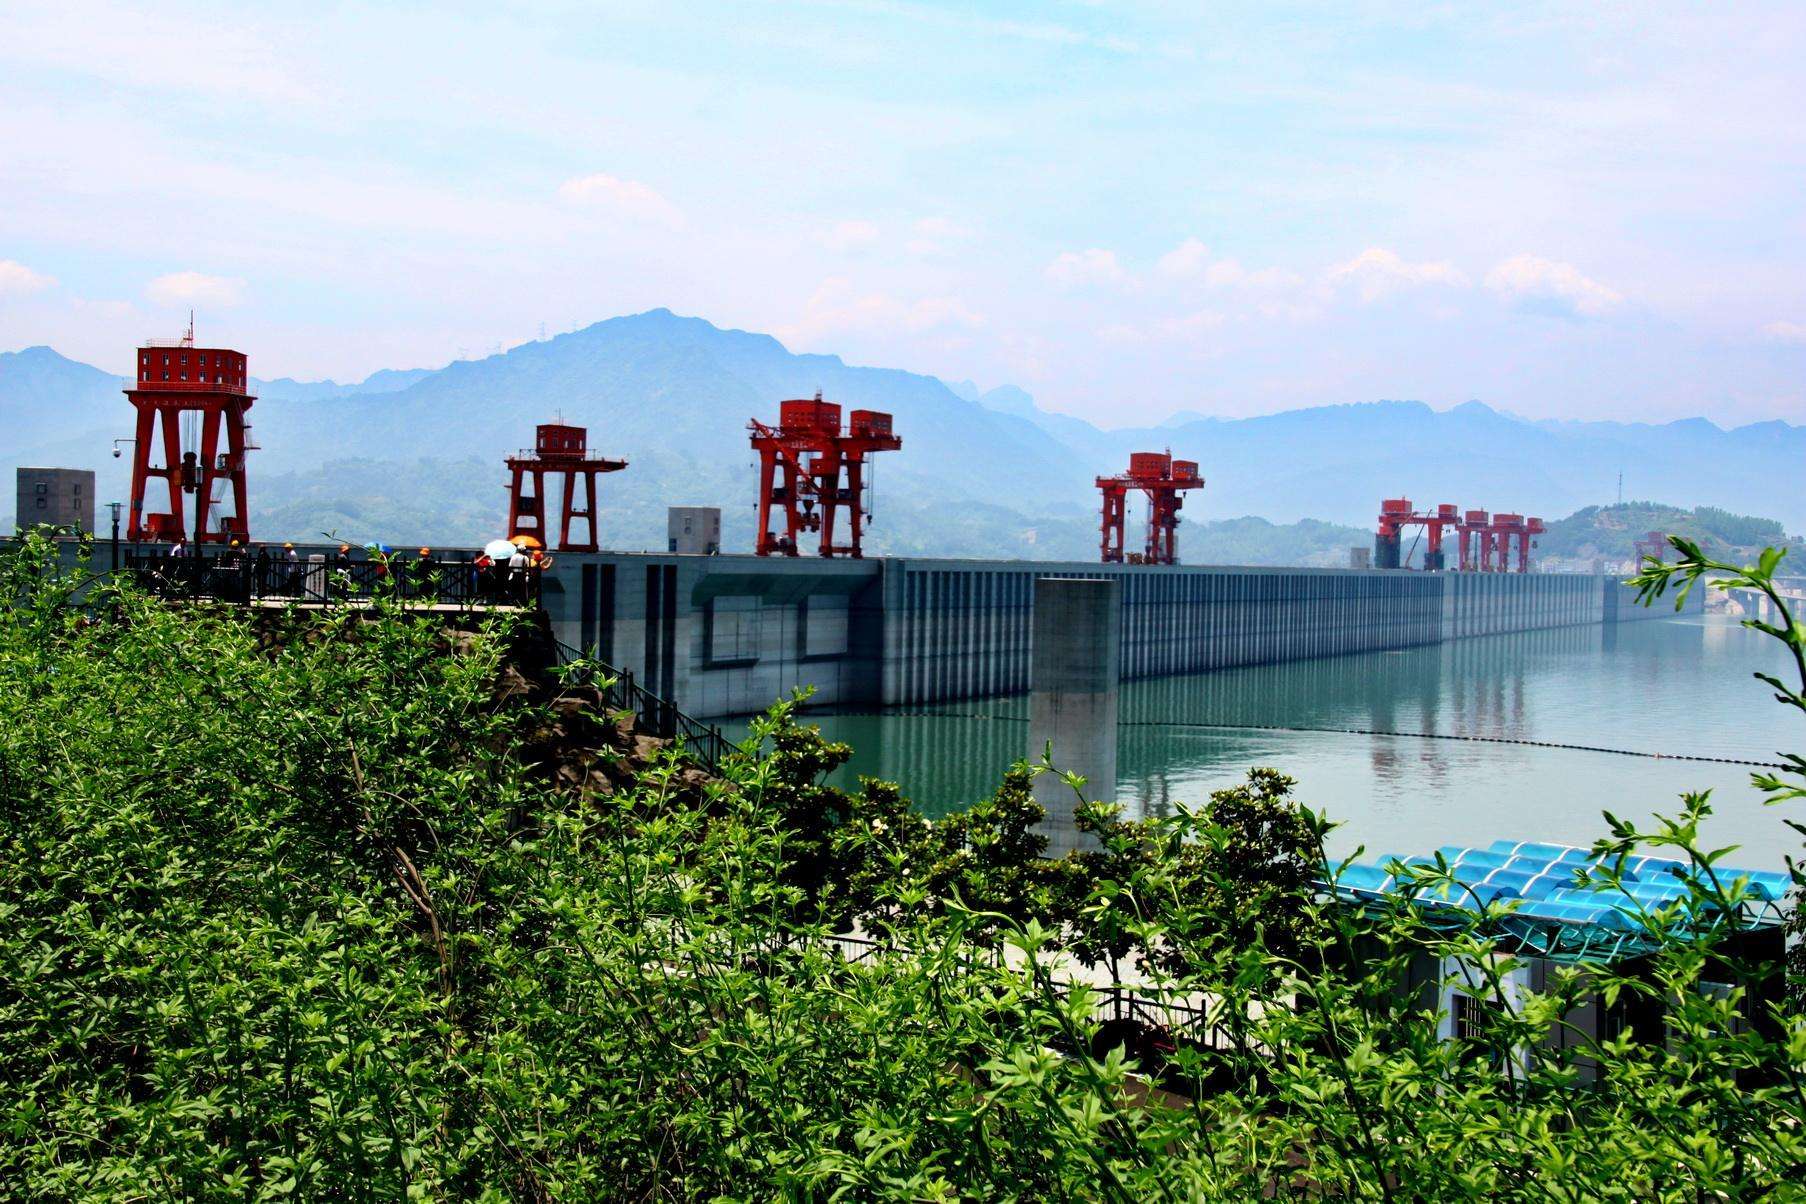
135 500
115 507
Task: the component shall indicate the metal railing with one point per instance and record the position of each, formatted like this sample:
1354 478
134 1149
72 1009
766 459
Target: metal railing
417 581
1165 1018
701 742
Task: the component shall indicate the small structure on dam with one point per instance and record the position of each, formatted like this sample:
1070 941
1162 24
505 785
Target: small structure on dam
1074 687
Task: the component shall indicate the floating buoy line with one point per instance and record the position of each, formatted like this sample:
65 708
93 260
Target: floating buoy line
1349 731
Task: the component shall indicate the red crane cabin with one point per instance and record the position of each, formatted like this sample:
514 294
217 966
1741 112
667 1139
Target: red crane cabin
176 379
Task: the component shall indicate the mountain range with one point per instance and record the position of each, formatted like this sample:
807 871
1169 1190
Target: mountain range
415 455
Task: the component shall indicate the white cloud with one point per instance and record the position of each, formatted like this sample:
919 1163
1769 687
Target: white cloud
16 279
1180 329
1786 332
626 198
934 235
1378 272
1191 324
1226 272
1072 269
932 313
127 45
1191 260
193 288
836 307
109 310
1549 285
1185 260
1288 311
1223 273
849 235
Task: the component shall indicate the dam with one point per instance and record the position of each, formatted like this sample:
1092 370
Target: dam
723 635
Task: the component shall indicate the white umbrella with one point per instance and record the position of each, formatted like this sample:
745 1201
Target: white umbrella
499 549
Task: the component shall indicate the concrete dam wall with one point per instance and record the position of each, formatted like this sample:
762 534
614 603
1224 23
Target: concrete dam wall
725 635
728 635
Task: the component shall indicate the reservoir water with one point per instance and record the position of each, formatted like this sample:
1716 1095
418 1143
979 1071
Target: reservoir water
1655 691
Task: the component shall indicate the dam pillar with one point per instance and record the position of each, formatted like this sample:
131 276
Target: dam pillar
1074 670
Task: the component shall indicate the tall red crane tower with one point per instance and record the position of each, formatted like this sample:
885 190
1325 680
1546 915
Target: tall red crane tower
1164 480
562 451
809 470
1395 515
184 396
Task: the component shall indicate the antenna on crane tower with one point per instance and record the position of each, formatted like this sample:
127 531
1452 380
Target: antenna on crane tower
188 339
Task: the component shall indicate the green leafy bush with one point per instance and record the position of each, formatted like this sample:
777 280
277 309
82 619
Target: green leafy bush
287 907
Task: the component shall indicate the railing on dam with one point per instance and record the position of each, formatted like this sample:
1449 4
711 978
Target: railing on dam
700 742
416 581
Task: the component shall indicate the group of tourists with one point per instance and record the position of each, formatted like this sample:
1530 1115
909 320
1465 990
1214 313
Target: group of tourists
239 572
511 573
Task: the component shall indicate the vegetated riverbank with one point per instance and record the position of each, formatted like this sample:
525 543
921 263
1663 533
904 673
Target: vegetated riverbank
326 911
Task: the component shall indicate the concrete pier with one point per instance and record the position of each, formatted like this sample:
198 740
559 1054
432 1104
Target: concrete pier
1074 677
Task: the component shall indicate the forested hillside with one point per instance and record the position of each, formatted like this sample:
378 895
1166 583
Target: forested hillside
1609 533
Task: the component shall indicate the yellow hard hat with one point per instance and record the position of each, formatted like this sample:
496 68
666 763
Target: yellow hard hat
235 543
288 545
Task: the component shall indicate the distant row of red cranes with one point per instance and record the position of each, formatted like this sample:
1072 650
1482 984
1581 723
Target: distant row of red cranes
1484 542
811 471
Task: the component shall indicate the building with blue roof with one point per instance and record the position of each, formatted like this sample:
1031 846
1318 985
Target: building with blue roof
1548 906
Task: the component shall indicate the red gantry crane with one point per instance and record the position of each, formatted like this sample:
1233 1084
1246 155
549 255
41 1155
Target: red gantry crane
1509 528
1163 479
810 470
186 397
1653 546
563 451
1483 541
1474 536
1395 515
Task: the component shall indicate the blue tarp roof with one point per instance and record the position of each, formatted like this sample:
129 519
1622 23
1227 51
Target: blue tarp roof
1551 913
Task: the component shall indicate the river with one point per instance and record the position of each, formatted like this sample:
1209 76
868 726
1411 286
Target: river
1657 691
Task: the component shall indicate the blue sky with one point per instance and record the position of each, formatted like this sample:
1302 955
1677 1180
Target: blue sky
1568 211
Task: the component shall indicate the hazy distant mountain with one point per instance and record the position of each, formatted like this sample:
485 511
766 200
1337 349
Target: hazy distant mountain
388 380
416 455
1337 462
673 395
57 413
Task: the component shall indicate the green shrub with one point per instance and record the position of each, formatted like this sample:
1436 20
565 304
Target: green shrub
286 910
